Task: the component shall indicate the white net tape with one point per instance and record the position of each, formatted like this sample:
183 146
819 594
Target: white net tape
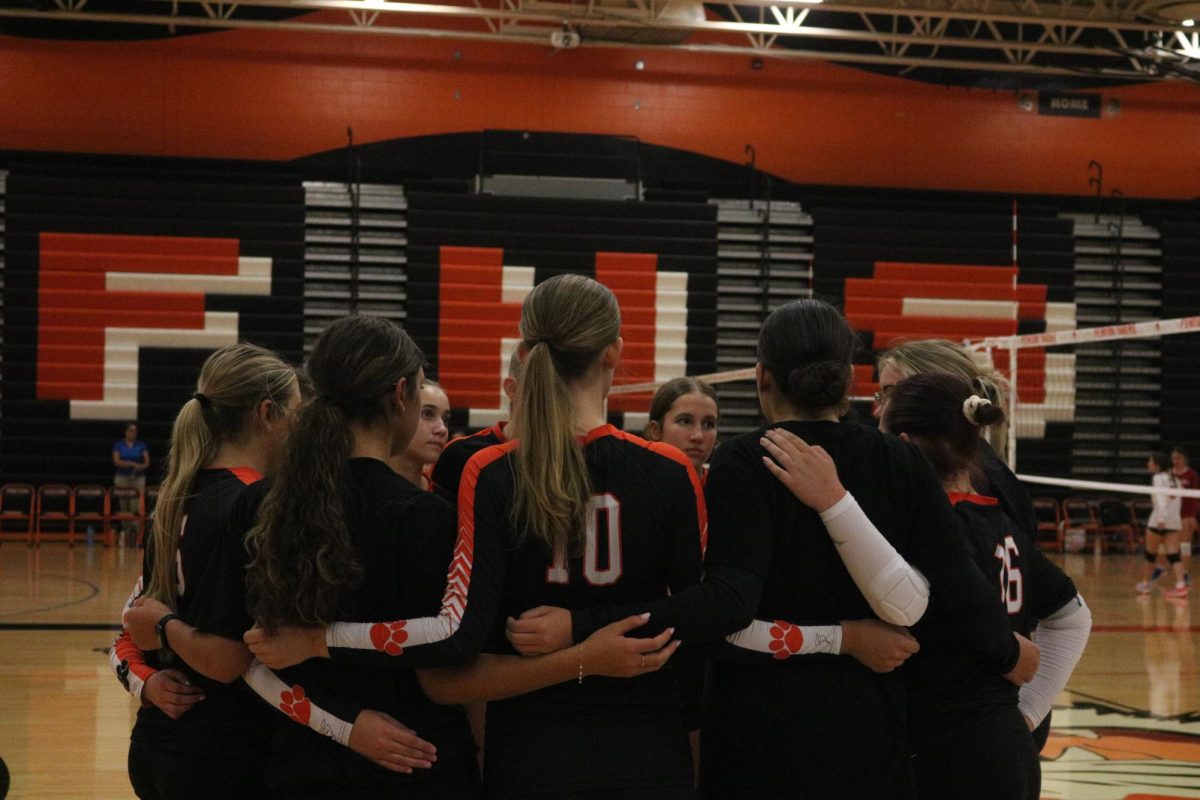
1074 336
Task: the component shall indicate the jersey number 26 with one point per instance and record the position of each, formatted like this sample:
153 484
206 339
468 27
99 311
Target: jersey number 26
603 516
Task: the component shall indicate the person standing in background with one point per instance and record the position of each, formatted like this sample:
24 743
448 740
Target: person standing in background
131 459
1189 506
1163 527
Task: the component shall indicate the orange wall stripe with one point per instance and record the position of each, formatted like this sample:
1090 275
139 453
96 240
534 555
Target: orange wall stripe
139 245
285 95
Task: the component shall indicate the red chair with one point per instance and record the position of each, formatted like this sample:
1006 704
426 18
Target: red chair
1080 515
91 508
17 501
55 505
1049 523
117 514
1118 525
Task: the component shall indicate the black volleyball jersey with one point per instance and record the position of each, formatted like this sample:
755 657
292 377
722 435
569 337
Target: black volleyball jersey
1005 487
403 538
772 559
949 682
644 539
210 573
447 472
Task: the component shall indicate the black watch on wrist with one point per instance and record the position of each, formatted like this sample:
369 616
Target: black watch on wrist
160 629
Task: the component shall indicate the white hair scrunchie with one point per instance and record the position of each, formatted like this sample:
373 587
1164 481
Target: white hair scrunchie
971 405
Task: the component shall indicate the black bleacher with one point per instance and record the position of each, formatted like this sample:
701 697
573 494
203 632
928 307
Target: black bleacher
1179 226
556 235
259 204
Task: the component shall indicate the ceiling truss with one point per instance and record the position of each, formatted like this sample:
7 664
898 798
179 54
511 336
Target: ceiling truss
1100 39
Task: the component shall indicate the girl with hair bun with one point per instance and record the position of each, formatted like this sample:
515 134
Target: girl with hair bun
684 412
855 526
930 356
969 728
198 733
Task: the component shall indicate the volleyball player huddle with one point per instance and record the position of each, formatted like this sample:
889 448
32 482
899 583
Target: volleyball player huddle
605 595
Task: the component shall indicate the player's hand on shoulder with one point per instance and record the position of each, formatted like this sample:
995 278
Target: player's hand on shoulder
141 619
808 471
540 630
610 652
389 743
877 645
287 646
170 692
1027 664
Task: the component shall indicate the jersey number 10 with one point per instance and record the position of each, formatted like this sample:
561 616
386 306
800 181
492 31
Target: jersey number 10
1012 584
604 514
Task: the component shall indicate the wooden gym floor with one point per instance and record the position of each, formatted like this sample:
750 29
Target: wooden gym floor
1129 727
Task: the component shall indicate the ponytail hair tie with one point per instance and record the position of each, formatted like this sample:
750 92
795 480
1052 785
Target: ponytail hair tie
971 406
532 343
202 399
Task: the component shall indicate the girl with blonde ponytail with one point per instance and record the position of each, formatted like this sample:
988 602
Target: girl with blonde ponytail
575 513
195 735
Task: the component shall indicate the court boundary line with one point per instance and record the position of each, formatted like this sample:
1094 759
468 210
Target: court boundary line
59 626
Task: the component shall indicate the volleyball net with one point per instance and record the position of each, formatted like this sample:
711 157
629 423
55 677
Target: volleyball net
1024 360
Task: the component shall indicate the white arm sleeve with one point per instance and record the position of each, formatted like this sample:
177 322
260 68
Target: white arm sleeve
1061 638
897 592
783 639
292 701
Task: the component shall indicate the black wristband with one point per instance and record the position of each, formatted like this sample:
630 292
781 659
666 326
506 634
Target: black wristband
160 629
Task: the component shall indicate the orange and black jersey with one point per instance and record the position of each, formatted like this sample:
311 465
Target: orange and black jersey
947 682
644 539
210 575
447 472
402 538
647 526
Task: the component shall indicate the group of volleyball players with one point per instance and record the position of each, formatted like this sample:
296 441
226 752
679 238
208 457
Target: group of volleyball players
606 595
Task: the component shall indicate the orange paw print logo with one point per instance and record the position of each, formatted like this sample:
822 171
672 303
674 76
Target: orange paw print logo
293 703
786 639
389 637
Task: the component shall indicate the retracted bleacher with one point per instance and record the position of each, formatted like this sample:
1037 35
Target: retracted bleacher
472 258
907 265
121 276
